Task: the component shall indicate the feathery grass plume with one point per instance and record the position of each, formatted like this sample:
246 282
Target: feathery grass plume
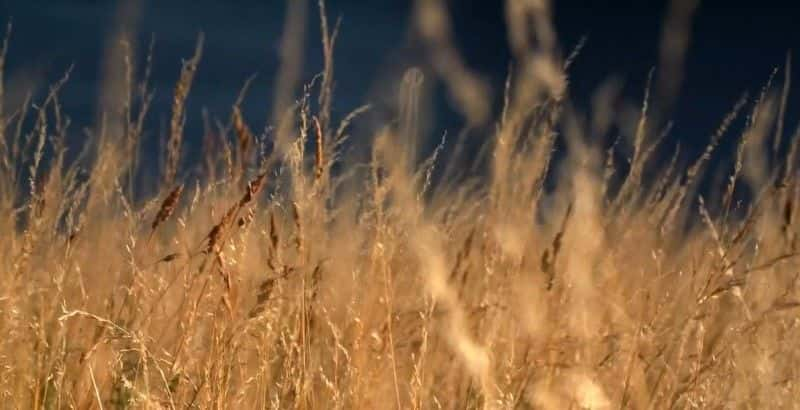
178 119
274 237
167 208
243 133
633 178
229 297
678 195
254 188
247 218
486 288
262 297
319 154
144 92
219 233
298 227
752 127
549 256
216 236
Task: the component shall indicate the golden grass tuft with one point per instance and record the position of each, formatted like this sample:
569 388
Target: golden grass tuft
336 281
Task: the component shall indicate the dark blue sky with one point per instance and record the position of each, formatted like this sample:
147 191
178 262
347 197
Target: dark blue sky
734 47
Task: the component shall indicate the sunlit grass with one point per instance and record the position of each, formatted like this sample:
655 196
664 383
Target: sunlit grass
292 275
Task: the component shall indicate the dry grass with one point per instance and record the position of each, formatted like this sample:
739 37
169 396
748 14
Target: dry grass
373 286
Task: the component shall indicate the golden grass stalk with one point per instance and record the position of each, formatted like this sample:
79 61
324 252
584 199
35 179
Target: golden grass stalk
178 119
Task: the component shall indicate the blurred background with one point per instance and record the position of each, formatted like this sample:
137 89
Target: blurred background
734 47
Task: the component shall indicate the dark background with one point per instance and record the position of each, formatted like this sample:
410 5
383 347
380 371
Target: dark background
733 48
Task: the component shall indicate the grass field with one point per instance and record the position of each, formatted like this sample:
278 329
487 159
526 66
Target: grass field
295 275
